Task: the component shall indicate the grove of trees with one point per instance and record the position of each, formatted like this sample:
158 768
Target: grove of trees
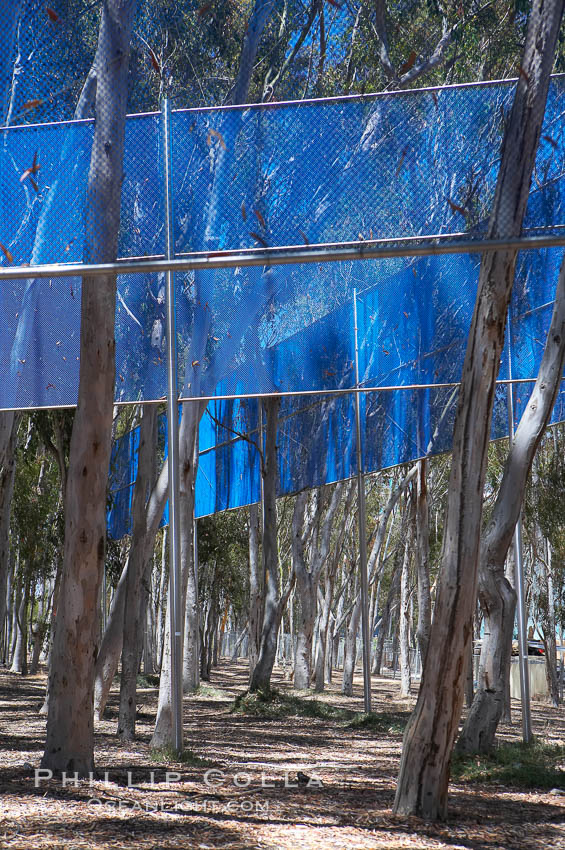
277 582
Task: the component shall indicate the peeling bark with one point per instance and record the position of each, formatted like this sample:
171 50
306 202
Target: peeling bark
350 647
323 663
404 621
549 632
255 589
308 575
496 595
423 561
430 735
8 438
70 739
274 601
132 626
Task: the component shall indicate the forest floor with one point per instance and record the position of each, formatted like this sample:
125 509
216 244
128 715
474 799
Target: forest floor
239 787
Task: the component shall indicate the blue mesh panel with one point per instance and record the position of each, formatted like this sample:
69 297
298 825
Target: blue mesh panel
123 472
405 338
391 166
413 163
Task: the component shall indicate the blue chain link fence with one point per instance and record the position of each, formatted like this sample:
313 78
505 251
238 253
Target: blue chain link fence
418 164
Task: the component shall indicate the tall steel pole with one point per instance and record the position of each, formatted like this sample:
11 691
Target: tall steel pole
519 576
175 611
362 524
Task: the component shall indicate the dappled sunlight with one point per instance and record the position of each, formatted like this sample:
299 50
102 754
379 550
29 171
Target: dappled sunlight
240 787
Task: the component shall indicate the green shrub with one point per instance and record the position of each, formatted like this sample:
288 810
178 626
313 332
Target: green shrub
535 765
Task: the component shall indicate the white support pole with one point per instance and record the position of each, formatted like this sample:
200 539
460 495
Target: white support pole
519 576
362 524
173 457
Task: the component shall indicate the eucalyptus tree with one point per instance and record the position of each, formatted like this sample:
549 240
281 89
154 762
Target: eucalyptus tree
132 618
222 579
70 738
543 509
430 735
161 62
338 557
8 436
405 606
496 595
255 589
36 534
549 625
223 165
543 528
423 560
275 597
312 527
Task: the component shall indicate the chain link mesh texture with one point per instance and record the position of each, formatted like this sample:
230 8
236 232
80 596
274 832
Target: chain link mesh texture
388 166
384 167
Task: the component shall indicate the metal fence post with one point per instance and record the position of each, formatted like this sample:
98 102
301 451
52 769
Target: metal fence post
362 518
173 457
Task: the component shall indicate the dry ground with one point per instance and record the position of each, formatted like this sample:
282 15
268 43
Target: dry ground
246 794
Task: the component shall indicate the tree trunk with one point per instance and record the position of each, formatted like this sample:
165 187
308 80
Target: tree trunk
132 627
549 632
497 597
70 739
404 622
470 677
323 633
430 735
142 543
8 439
350 648
189 566
272 611
204 625
320 519
255 589
391 598
21 598
209 631
239 641
108 657
39 631
163 735
423 561
44 710
335 637
375 621
306 595
218 635
510 575
159 611
148 613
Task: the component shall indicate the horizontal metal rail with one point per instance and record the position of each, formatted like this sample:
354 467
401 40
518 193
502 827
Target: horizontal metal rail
288 255
275 104
284 394
348 391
